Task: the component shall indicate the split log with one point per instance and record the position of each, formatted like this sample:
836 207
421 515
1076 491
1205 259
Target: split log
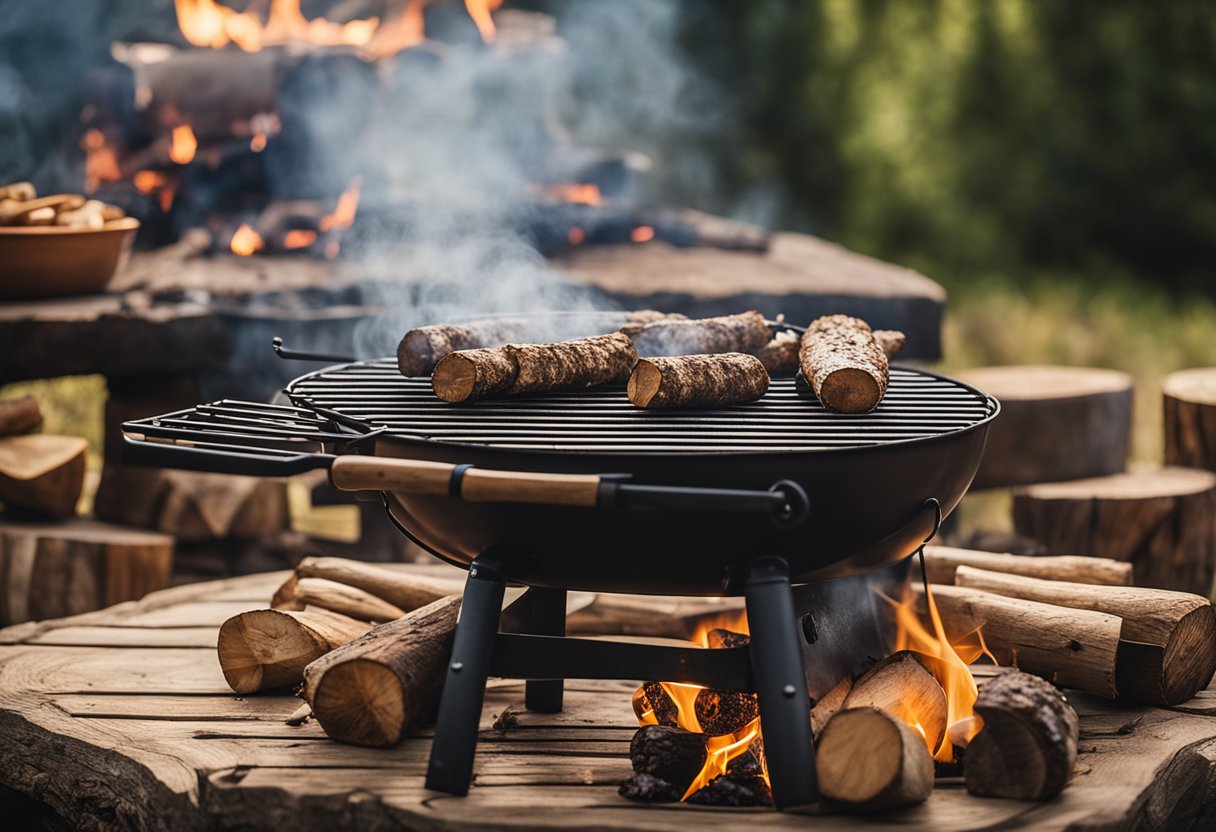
746 332
1070 648
285 597
941 562
408 592
1028 746
422 348
671 754
901 686
1167 644
51 570
383 685
1056 423
868 760
1162 520
20 415
697 381
572 365
265 649
42 473
829 705
470 375
843 364
1190 418
340 598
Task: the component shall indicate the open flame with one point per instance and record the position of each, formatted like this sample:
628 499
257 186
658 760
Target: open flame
344 212
721 749
576 193
207 23
245 241
100 161
951 671
642 234
182 145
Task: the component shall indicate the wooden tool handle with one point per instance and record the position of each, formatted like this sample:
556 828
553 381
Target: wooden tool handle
355 473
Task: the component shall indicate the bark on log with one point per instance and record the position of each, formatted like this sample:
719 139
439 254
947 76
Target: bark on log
572 365
340 598
1167 644
1190 418
1028 746
843 364
285 597
1056 423
265 649
780 355
421 349
1162 520
942 561
408 592
868 760
890 341
1070 648
829 705
746 332
51 570
383 685
42 473
469 375
697 381
901 686
20 415
671 754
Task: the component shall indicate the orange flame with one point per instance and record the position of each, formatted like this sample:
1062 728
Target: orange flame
576 193
246 241
642 234
100 161
208 23
257 142
299 238
576 235
951 670
344 213
722 749
480 10
147 181
183 145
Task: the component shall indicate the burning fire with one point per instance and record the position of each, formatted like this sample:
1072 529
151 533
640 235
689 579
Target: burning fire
951 671
100 162
207 23
576 193
183 145
344 213
246 241
642 234
299 238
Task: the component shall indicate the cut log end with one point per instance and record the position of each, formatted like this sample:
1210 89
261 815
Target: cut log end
265 649
697 381
361 702
644 383
850 390
901 686
473 374
868 761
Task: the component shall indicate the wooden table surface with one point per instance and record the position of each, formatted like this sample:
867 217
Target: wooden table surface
121 719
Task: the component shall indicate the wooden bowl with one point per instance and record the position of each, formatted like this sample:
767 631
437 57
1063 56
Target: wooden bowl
45 261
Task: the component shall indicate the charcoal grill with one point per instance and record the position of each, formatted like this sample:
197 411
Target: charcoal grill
583 491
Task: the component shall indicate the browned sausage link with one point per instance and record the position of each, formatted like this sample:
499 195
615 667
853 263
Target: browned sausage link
697 381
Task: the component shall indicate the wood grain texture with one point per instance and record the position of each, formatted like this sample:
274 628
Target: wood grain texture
181 752
1189 403
42 473
941 562
1162 520
844 364
1056 423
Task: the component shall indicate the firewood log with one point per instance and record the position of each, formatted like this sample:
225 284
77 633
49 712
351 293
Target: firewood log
264 649
572 365
1163 520
902 687
697 381
1070 648
868 760
285 597
746 332
384 684
671 754
1028 745
717 712
780 354
1190 418
470 375
890 341
42 473
336 597
408 592
942 561
843 364
829 705
19 415
1167 644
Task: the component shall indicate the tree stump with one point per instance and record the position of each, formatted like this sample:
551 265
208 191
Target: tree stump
1190 418
50 570
1056 423
1163 520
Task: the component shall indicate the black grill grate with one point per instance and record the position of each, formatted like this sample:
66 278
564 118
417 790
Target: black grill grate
374 395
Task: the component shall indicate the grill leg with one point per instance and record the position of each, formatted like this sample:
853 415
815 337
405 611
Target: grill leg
464 689
780 684
548 619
